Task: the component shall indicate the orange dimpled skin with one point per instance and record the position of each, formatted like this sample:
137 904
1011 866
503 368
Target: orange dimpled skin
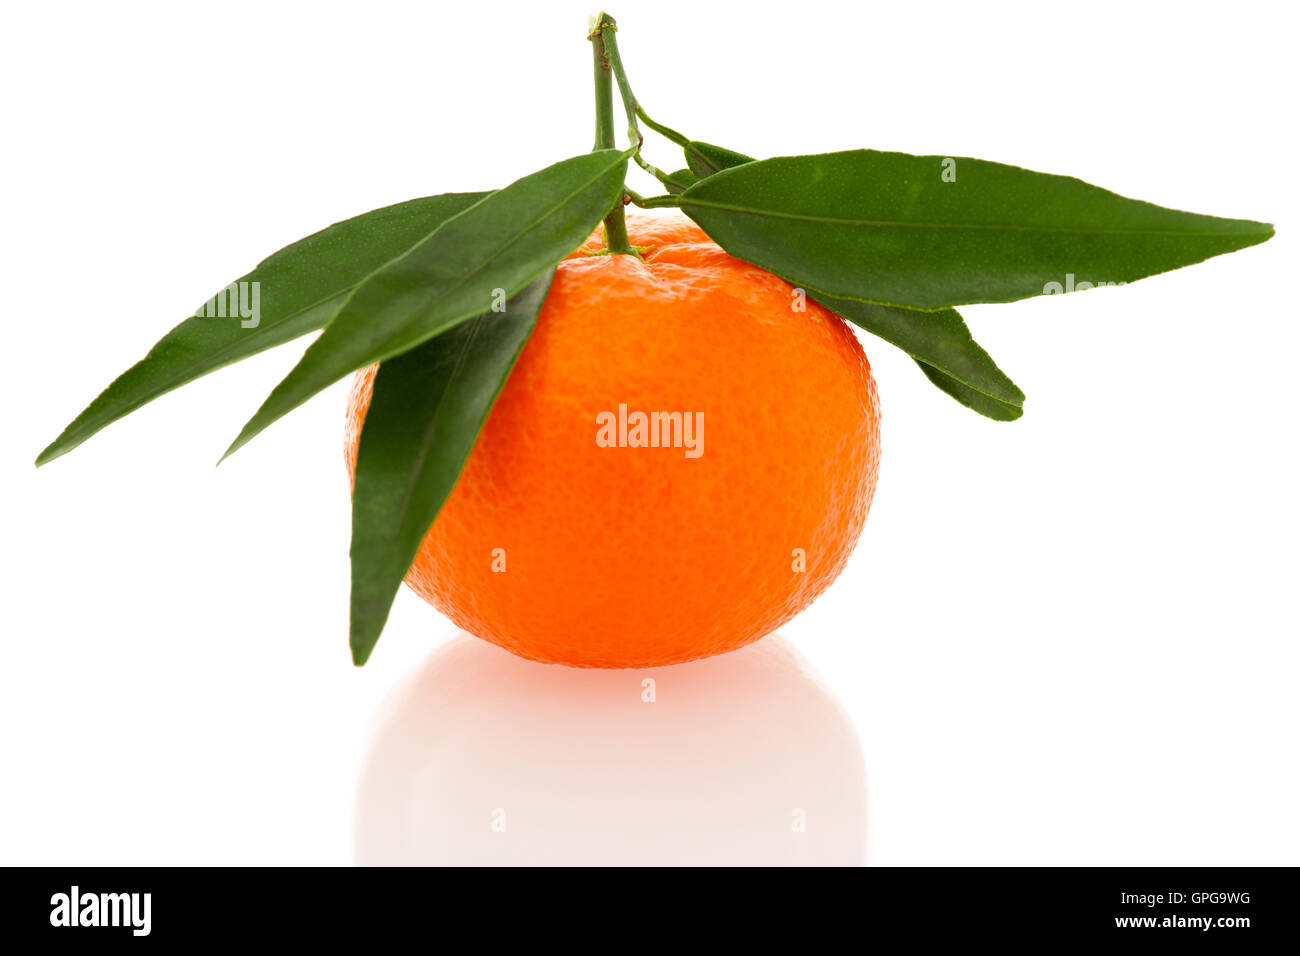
560 548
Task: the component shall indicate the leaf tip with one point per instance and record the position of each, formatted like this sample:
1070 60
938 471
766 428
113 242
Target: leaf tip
361 649
240 441
57 448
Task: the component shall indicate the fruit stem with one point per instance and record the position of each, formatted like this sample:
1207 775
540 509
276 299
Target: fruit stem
615 226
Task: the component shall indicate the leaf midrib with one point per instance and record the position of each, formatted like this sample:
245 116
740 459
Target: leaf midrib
1008 227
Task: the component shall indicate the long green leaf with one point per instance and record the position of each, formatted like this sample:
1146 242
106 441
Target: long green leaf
425 414
894 229
939 340
487 253
300 287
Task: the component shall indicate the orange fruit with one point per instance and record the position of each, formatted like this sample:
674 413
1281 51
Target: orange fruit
560 548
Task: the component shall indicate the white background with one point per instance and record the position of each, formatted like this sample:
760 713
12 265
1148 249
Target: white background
1068 640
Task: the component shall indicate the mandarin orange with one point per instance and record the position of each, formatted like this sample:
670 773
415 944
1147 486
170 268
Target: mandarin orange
571 538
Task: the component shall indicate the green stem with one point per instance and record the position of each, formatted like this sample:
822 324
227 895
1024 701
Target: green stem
608 28
671 134
654 202
664 131
615 226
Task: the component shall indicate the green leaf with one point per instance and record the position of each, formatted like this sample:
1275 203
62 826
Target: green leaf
938 340
300 287
680 181
986 405
425 414
890 228
487 253
705 159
